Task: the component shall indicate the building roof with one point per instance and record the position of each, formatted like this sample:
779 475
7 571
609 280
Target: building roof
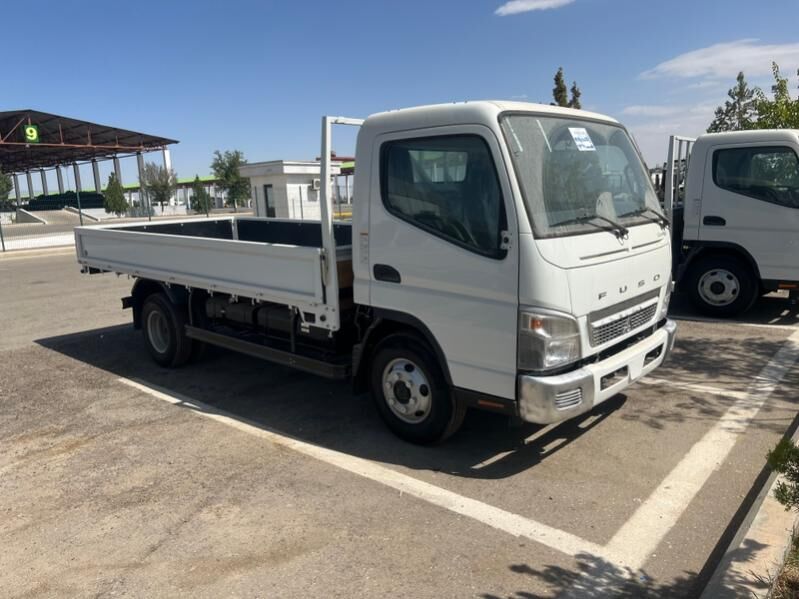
64 140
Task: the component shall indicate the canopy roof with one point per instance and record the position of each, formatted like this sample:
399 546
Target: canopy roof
63 140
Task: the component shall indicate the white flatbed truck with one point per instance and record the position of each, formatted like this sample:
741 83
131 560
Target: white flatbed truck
734 199
505 256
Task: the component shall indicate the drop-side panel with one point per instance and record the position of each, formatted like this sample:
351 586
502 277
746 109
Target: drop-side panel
278 273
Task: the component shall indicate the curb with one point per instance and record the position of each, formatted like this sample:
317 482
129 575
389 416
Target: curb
757 551
61 250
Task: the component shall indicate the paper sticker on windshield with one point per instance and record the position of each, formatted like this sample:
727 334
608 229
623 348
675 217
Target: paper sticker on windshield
581 139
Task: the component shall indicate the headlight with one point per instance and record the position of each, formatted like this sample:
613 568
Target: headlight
664 310
547 341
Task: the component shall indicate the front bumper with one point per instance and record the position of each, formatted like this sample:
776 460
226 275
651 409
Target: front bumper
548 399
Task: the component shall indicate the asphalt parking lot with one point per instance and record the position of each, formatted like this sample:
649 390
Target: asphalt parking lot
234 477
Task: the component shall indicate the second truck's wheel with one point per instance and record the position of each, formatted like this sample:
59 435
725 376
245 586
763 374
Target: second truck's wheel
722 285
163 325
411 393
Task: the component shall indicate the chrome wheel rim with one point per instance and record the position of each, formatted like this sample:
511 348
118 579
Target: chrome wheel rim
719 287
158 331
407 391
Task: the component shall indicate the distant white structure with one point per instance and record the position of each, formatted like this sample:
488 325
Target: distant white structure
287 188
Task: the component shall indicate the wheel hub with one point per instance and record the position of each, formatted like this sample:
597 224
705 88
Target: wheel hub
719 287
158 331
407 391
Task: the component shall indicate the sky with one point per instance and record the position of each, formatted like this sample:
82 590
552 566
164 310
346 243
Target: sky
258 75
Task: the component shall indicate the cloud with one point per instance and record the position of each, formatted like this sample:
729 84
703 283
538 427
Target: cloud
518 6
726 60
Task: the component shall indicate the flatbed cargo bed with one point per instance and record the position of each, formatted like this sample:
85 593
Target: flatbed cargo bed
271 260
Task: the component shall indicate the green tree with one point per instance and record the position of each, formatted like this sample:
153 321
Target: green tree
781 111
784 458
226 170
114 197
559 92
159 183
740 111
200 199
575 99
6 185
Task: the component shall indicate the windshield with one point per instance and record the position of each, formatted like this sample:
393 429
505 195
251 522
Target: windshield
572 171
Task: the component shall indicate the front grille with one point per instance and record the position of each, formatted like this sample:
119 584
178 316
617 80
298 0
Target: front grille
601 334
569 399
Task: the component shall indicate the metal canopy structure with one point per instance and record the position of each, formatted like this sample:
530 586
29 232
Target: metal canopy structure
61 140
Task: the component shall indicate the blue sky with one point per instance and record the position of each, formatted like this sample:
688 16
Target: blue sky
257 76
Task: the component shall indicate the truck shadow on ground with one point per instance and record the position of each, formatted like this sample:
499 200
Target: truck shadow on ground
772 309
326 413
487 447
728 364
595 578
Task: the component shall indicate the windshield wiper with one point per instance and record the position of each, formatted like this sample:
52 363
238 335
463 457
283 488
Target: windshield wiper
617 228
660 219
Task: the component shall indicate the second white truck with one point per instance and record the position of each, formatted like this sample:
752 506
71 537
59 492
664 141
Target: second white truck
504 256
734 198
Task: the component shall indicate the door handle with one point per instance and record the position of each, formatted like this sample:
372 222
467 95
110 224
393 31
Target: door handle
714 221
389 274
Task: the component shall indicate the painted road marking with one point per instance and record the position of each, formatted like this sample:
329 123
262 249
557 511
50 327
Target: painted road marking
631 546
757 325
698 388
497 518
641 534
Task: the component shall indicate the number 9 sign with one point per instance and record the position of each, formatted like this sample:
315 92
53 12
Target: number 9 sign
32 134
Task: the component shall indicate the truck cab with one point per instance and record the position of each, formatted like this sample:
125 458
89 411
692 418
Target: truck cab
503 256
525 241
741 213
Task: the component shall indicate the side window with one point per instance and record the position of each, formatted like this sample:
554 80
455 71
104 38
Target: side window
770 174
447 186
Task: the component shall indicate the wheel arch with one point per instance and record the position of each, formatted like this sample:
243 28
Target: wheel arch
386 323
143 288
718 248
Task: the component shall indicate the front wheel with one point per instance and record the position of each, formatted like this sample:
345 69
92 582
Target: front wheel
411 393
722 285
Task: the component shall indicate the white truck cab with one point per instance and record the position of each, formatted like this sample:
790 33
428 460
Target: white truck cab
505 256
740 236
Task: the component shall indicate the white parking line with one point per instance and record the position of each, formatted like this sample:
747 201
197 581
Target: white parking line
497 518
692 387
641 534
770 325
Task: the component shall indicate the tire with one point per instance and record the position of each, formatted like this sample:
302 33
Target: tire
722 286
411 393
163 325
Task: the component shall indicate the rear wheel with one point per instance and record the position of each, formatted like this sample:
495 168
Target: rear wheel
164 328
722 285
411 393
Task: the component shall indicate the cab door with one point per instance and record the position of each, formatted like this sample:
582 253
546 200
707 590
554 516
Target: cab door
751 199
440 248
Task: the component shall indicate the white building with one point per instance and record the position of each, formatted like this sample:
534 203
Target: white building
288 188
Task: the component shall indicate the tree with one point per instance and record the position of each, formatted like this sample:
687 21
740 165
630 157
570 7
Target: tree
740 111
226 170
159 183
784 459
780 112
6 185
200 199
559 92
114 197
575 99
